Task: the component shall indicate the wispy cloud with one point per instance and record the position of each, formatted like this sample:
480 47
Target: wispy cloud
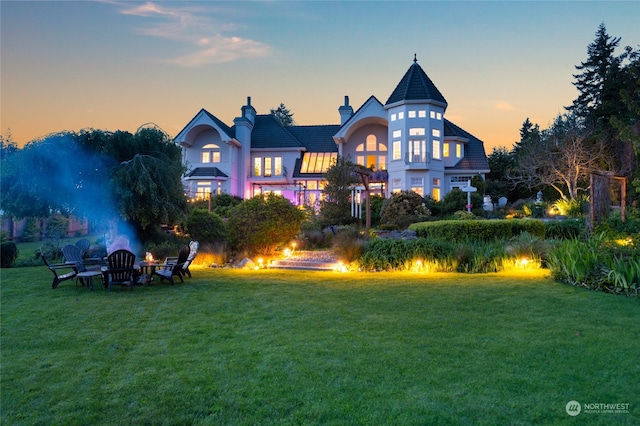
205 41
503 106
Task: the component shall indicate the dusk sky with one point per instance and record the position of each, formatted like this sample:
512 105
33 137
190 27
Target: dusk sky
117 65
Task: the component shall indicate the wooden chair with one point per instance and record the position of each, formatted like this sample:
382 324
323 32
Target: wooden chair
193 252
172 267
83 245
57 268
120 269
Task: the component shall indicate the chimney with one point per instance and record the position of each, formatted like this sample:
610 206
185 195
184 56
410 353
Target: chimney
249 112
345 111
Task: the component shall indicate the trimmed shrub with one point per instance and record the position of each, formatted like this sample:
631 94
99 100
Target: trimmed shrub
260 225
534 227
564 229
8 254
477 230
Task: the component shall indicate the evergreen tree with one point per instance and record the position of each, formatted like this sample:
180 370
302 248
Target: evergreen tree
283 115
597 80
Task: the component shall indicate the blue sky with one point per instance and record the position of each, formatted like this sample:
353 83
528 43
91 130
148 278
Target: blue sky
117 65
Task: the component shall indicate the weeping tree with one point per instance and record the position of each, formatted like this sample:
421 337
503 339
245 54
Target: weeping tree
98 175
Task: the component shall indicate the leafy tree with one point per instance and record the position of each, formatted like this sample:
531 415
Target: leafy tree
261 224
501 161
283 115
335 209
563 159
404 208
98 175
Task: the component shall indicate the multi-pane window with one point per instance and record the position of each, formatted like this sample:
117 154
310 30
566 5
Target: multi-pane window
435 133
445 150
422 113
397 155
400 115
416 131
372 154
203 190
436 115
411 114
317 162
417 150
417 185
211 153
436 149
267 166
394 117
397 134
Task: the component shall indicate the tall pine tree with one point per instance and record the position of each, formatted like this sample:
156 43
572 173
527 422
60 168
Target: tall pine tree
597 80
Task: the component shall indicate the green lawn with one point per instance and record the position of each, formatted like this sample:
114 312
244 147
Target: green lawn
282 347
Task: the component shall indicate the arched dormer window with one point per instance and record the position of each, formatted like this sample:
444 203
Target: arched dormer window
372 154
211 153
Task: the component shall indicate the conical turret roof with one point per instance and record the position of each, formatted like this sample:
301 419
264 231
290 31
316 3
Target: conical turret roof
415 86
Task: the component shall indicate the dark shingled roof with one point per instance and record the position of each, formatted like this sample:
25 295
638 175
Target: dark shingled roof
316 138
206 172
269 133
415 86
474 155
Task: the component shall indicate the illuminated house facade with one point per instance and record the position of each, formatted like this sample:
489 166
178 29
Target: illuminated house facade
408 137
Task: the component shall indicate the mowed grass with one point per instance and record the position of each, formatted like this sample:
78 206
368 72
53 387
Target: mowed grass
281 347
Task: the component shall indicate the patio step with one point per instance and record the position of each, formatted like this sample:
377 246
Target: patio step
305 265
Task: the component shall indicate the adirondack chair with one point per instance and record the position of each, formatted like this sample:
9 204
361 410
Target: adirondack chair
193 247
83 245
61 271
120 269
172 268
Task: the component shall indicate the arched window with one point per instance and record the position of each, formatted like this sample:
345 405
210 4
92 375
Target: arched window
372 154
211 153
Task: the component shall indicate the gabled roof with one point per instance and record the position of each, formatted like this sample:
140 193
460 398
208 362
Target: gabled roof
316 138
206 172
415 86
474 155
223 127
269 133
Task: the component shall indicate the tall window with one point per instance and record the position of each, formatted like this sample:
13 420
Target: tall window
211 153
257 166
369 154
458 150
436 149
417 150
397 155
445 149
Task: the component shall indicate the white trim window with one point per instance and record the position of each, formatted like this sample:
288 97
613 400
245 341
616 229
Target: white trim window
372 154
210 153
417 150
267 166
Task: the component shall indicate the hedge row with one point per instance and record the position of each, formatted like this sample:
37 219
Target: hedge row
478 230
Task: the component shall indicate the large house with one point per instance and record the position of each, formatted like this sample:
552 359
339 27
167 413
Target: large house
408 137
